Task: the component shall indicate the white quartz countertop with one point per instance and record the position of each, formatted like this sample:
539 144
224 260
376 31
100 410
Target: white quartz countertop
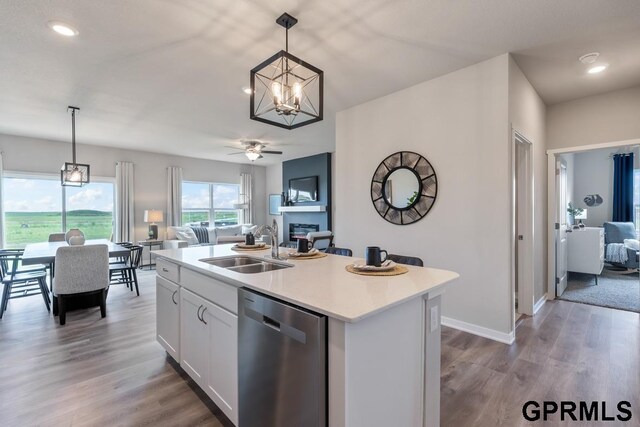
321 285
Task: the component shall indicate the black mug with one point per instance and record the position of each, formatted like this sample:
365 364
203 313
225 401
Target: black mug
372 256
249 239
304 245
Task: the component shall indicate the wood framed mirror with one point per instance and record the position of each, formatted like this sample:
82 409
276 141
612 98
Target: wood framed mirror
404 188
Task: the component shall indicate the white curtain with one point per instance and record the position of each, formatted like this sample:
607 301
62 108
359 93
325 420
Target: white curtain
1 202
174 196
124 202
246 197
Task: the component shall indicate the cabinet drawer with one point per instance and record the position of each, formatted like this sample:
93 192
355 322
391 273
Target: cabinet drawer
168 270
220 293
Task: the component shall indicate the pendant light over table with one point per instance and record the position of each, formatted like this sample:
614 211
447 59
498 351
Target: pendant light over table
74 174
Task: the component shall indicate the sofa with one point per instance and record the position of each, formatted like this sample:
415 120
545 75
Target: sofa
183 237
617 233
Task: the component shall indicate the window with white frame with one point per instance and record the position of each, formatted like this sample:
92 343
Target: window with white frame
37 205
212 204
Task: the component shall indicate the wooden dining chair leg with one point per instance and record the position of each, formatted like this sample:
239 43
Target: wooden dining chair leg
62 310
42 282
103 303
135 281
5 298
130 278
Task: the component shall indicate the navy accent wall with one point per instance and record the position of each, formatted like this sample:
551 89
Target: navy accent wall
320 166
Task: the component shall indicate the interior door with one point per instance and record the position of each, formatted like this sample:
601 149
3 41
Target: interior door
562 228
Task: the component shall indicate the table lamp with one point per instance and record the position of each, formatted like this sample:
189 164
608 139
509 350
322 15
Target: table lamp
581 216
153 216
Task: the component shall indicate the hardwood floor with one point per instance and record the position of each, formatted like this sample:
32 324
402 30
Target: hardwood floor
568 351
97 372
93 371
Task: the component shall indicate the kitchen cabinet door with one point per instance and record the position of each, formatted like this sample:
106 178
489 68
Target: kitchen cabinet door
222 378
168 316
194 337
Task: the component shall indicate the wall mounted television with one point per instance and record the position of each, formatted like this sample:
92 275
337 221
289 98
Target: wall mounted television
303 190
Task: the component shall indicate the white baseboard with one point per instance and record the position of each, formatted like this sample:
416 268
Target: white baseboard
492 334
538 305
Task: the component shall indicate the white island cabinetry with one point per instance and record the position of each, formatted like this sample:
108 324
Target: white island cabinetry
383 334
168 316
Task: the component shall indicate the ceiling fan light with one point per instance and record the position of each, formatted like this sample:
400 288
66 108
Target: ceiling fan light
252 155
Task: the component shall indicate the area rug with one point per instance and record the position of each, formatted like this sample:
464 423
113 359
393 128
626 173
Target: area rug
615 290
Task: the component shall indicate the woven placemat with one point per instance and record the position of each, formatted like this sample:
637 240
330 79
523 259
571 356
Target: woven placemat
397 270
262 248
316 256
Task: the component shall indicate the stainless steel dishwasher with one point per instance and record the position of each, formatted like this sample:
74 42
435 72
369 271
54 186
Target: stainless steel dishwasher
282 363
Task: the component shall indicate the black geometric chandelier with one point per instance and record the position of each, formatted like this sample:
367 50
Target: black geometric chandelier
286 91
74 174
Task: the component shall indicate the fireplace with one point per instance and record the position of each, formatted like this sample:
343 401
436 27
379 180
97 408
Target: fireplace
297 231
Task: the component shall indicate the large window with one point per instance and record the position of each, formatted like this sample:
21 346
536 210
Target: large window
36 206
204 202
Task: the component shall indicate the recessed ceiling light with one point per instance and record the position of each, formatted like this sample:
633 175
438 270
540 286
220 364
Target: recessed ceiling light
62 28
247 90
597 69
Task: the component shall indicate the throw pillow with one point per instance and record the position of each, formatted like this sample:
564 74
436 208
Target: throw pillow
632 244
188 235
229 230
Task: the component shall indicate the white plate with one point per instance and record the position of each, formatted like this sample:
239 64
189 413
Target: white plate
312 252
243 246
386 266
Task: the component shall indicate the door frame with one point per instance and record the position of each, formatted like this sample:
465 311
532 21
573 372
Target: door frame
525 290
552 201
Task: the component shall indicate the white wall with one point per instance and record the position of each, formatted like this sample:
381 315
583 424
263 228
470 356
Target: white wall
274 186
459 122
527 116
613 116
150 171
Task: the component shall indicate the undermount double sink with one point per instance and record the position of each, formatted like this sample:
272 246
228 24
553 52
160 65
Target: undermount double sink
245 264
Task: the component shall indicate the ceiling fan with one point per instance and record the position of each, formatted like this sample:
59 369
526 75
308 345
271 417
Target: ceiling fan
254 150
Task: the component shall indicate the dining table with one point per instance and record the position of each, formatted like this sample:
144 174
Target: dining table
45 253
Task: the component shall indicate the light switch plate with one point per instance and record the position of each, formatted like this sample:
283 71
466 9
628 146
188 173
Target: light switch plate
435 319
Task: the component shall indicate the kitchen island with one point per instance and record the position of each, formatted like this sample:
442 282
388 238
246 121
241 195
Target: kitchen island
383 333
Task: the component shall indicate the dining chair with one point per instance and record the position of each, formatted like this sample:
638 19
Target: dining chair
315 237
407 260
126 272
20 283
57 237
80 270
338 251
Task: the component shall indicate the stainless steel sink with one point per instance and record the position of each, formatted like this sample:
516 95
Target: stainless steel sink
232 261
246 264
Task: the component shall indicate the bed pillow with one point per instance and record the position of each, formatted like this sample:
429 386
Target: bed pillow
188 235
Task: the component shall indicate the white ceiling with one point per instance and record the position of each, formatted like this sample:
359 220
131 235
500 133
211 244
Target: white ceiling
166 75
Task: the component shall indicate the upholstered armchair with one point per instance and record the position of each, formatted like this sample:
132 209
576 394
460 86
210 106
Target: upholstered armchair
618 232
80 270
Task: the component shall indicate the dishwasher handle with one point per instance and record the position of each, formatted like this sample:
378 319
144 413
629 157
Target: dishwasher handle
270 323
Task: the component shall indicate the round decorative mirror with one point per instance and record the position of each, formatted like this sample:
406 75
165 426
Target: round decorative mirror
404 188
